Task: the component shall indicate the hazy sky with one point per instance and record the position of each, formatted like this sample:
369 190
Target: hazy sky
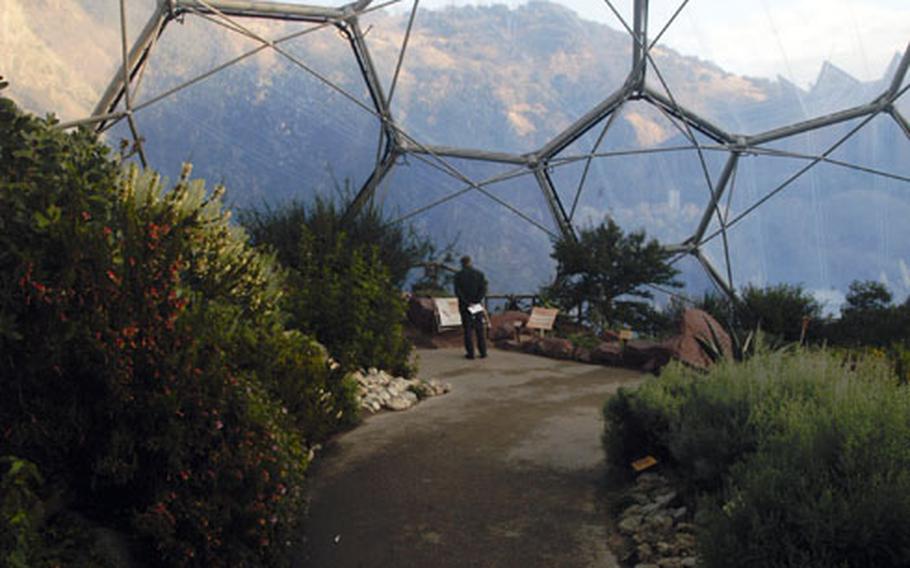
766 38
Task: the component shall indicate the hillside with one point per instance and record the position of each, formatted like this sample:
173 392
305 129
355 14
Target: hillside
504 79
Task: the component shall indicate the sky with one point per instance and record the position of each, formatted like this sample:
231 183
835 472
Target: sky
764 38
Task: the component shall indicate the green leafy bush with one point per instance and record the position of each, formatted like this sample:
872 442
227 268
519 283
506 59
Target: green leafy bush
19 507
341 288
778 310
146 368
799 458
399 247
869 318
345 298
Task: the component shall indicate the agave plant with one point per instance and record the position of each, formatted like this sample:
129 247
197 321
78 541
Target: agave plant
743 347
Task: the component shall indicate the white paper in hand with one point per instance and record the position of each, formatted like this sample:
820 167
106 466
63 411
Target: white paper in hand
475 309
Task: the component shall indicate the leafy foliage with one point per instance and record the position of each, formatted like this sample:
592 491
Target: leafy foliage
18 508
870 318
800 460
602 276
399 247
146 366
865 296
438 276
341 288
779 310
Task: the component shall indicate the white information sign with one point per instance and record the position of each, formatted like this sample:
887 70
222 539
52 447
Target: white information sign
447 312
542 318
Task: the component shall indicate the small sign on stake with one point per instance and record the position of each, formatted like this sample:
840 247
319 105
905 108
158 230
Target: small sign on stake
542 319
644 463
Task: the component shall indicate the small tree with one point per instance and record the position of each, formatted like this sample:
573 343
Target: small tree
867 296
602 275
779 309
869 317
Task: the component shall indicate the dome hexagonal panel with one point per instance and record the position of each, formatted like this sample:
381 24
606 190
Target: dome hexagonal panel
510 243
645 172
755 65
528 80
49 63
247 124
494 77
839 221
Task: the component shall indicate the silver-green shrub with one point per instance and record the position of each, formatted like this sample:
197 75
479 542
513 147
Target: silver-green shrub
796 459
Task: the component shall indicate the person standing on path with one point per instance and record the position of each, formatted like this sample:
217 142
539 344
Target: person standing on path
471 287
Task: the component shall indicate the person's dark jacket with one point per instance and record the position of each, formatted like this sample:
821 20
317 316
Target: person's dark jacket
470 287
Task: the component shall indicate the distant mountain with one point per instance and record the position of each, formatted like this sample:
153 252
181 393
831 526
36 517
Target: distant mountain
502 79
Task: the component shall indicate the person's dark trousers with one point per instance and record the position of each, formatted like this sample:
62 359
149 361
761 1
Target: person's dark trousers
473 325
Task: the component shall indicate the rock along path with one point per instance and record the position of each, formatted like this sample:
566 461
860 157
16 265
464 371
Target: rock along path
504 471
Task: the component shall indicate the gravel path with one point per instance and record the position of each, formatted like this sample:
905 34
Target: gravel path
504 471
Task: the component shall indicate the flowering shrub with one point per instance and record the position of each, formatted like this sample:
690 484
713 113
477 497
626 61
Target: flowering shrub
145 364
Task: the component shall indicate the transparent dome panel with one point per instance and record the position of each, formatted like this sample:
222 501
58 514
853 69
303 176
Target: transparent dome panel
755 65
59 57
267 131
644 173
194 50
419 183
495 77
199 47
855 201
323 53
903 101
775 223
323 3
830 226
491 224
694 279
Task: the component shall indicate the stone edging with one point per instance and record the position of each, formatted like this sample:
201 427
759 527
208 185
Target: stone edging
378 390
656 527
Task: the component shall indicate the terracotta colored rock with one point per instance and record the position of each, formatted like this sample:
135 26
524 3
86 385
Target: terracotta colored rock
531 345
509 318
502 332
607 353
609 335
647 355
502 325
686 348
422 313
556 347
582 355
507 345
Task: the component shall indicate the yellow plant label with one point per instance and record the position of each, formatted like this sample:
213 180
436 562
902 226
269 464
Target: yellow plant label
644 463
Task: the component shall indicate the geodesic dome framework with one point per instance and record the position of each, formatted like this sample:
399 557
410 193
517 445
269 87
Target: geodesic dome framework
645 84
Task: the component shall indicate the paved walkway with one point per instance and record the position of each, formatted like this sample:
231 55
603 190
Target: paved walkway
504 471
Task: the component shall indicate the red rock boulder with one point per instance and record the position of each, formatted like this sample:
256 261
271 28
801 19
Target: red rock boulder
555 347
607 353
503 325
422 313
698 324
646 355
